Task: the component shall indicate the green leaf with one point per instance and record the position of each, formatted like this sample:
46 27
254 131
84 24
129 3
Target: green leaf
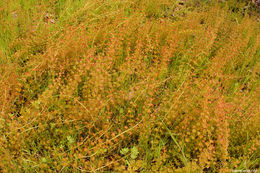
134 152
37 104
124 151
44 160
121 110
70 139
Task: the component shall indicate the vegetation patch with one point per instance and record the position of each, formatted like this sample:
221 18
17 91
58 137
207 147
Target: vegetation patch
129 86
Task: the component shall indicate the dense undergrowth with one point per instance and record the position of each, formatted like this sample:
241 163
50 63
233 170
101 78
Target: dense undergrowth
135 86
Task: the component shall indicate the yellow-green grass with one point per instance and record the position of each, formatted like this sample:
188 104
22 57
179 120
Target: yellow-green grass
134 85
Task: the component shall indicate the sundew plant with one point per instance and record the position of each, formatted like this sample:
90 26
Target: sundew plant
129 86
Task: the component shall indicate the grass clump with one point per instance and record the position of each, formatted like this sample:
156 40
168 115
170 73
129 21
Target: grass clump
146 86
